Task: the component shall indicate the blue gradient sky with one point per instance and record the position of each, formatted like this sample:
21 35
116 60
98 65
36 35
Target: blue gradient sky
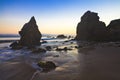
53 16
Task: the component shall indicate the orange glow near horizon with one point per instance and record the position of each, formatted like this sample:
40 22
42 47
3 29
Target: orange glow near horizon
8 28
43 31
12 29
45 26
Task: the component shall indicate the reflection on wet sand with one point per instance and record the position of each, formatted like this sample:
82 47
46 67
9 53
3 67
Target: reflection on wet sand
16 71
93 62
67 68
99 63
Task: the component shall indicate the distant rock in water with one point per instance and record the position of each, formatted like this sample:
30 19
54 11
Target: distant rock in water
114 29
90 28
30 34
61 36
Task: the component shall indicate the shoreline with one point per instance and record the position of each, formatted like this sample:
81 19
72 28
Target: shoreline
16 71
97 62
7 41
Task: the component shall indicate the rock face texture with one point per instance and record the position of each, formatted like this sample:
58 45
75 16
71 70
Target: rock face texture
61 36
90 28
114 30
30 34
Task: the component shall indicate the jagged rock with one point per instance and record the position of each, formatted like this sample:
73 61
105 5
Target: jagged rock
38 50
30 34
69 37
63 49
49 48
46 65
61 36
114 29
90 28
15 45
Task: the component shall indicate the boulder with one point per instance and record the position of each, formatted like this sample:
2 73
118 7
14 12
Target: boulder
38 50
49 48
30 34
90 28
114 29
63 49
15 45
61 36
46 65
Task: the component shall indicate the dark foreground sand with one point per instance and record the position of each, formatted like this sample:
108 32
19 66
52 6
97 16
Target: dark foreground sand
68 71
94 63
19 70
15 71
100 63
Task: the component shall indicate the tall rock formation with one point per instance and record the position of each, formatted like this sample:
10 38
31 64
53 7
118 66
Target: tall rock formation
90 28
114 29
30 34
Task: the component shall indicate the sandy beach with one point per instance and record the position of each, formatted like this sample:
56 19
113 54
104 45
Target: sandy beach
15 71
99 62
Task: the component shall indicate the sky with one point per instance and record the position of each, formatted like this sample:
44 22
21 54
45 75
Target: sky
53 16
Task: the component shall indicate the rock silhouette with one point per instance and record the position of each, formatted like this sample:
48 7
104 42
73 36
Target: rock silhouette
61 36
90 28
30 35
15 45
114 30
46 65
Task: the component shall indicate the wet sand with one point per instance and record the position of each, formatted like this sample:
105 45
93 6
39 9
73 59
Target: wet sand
15 71
100 63
93 63
18 69
65 72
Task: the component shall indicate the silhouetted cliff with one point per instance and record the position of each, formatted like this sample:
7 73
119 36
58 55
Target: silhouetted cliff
114 30
90 28
30 34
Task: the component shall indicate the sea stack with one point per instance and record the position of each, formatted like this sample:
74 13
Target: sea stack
30 35
90 28
114 30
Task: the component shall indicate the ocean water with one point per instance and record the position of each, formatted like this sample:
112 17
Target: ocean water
6 53
9 38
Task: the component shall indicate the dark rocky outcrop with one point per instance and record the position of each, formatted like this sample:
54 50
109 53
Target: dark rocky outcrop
49 48
46 65
15 45
38 50
61 36
114 30
63 49
90 28
30 34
